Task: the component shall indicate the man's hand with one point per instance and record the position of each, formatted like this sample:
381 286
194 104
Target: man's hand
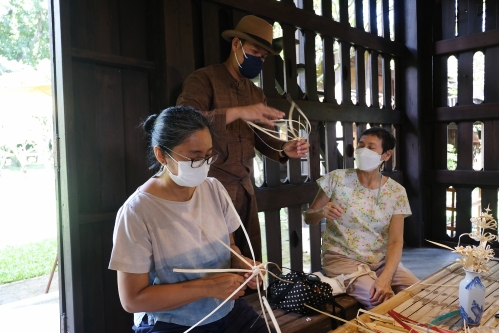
380 291
296 148
257 113
222 285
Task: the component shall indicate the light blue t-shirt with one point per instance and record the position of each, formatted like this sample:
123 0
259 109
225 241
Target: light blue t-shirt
154 236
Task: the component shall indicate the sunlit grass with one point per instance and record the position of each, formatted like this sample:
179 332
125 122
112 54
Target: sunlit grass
27 261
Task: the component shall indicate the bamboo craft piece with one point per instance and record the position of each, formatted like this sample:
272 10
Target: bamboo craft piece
402 297
431 301
451 302
476 258
291 132
256 270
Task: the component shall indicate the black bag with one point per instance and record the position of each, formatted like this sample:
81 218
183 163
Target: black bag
305 288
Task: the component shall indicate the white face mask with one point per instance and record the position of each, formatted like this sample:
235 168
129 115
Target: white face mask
366 159
188 176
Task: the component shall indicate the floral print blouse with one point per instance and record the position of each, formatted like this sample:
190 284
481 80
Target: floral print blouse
362 232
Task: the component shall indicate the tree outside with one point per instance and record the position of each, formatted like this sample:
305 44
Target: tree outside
27 184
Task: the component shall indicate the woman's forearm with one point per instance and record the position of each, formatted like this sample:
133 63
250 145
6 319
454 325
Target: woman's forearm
392 260
166 297
313 216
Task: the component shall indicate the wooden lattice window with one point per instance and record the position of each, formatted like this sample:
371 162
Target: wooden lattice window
464 117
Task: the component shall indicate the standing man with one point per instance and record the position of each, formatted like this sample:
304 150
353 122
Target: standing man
227 96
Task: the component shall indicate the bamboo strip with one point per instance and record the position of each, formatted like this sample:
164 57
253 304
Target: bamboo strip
439 301
381 327
492 322
492 303
444 274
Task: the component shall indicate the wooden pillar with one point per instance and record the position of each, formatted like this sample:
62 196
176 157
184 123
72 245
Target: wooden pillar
416 71
360 76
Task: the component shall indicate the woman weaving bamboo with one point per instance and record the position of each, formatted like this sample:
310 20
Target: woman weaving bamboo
364 213
157 230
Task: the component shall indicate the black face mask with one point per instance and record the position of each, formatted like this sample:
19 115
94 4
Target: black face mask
251 66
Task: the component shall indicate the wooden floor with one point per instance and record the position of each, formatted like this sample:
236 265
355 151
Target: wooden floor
426 261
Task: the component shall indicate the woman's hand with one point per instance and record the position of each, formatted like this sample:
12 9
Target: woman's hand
332 211
380 291
252 284
296 148
222 285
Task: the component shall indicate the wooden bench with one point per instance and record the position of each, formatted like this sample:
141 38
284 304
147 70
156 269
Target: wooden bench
345 307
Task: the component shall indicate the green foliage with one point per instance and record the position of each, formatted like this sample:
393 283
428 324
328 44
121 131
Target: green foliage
27 261
24 31
451 157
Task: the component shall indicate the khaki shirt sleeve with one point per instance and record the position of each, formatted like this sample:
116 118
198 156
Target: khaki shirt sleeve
197 92
264 142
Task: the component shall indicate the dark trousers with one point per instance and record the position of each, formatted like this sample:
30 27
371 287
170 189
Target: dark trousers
241 319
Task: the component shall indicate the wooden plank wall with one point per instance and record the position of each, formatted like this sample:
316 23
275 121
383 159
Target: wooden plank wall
462 40
116 62
108 61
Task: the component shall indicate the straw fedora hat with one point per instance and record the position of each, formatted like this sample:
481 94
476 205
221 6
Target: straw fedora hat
253 29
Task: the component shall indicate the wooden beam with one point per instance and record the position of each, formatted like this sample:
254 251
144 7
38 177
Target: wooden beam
71 295
273 236
333 111
360 76
462 177
385 19
386 81
331 146
285 196
395 175
310 64
210 24
295 237
328 70
289 14
471 112
374 79
112 60
490 145
447 19
373 17
180 60
358 7
491 75
348 145
465 43
464 146
345 67
289 60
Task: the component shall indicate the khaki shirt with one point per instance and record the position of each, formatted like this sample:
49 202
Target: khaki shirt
212 90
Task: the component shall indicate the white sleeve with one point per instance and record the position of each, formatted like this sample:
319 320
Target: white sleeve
132 251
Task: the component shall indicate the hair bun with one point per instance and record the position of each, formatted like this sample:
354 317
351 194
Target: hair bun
149 124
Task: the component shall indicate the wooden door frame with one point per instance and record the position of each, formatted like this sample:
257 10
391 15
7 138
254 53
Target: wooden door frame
70 285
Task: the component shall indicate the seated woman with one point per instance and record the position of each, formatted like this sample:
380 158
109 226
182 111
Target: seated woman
364 213
157 230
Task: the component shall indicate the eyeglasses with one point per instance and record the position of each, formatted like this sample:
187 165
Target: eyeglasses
195 163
